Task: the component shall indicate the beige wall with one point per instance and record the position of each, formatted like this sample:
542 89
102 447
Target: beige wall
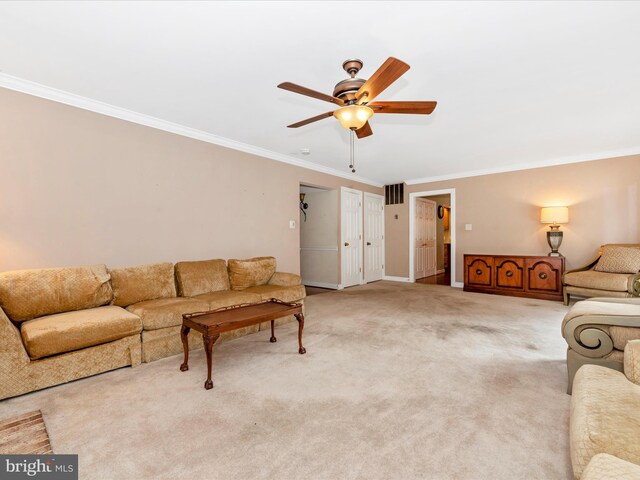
396 229
604 207
319 239
77 187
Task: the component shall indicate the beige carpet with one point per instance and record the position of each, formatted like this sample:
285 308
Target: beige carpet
24 434
399 381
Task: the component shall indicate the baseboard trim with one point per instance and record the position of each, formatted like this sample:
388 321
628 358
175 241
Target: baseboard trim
396 279
332 286
438 272
457 284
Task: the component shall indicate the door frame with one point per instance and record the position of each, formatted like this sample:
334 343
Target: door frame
452 224
360 241
384 262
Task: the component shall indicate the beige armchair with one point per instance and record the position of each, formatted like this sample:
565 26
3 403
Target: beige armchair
588 282
604 425
597 330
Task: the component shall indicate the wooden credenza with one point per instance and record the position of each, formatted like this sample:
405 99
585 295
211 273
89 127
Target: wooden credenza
517 275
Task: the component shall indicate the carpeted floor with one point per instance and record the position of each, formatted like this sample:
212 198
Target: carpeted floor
400 381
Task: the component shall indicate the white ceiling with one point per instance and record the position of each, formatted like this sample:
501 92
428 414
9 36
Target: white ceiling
518 84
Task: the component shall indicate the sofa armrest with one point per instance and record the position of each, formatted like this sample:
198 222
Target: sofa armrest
588 266
12 349
588 333
632 361
285 279
634 285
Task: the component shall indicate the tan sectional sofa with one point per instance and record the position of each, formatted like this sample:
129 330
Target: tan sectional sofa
605 420
61 324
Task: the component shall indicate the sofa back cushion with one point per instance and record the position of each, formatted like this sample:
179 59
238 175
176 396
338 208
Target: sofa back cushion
144 282
619 259
251 272
27 294
196 278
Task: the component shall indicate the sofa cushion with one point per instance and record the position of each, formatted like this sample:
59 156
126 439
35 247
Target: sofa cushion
145 282
622 335
285 279
227 298
616 282
619 259
605 416
65 332
632 361
196 278
251 272
607 467
27 294
166 312
286 294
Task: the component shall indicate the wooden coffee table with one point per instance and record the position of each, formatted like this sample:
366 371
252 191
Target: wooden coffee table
212 324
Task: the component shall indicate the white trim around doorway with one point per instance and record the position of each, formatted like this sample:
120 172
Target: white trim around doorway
412 211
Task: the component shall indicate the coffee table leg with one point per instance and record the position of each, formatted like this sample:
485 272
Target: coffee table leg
300 318
209 340
273 334
184 334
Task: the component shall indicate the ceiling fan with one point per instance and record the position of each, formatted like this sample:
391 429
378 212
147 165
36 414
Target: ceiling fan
355 97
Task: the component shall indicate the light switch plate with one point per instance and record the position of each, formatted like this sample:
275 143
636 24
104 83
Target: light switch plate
468 226
292 224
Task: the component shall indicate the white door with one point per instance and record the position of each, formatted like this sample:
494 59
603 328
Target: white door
425 238
351 244
373 237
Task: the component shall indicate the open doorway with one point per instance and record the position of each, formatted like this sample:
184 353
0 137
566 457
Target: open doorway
432 237
319 238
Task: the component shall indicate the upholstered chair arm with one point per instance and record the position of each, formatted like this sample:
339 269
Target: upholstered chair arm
589 335
285 279
632 361
634 285
586 267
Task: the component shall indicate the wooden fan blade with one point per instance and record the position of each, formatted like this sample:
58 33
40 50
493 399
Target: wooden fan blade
420 108
311 120
364 131
389 72
292 87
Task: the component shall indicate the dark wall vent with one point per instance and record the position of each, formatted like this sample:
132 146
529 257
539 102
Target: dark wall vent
394 194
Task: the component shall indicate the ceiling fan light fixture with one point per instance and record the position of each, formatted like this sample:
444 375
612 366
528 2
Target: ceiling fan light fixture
353 117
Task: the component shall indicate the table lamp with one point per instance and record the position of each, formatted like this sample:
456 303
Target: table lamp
554 216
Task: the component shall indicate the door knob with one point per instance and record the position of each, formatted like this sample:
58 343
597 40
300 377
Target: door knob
368 243
346 244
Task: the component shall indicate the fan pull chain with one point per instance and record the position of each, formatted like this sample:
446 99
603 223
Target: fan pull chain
352 159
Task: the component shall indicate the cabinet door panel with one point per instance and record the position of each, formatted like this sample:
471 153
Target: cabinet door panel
509 273
543 275
478 271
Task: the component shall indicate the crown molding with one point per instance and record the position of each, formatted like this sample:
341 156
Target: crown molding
529 166
38 90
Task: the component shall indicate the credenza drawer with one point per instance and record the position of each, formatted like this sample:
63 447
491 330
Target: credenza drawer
478 271
509 273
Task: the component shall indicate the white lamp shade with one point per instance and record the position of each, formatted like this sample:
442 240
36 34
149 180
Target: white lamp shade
554 215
